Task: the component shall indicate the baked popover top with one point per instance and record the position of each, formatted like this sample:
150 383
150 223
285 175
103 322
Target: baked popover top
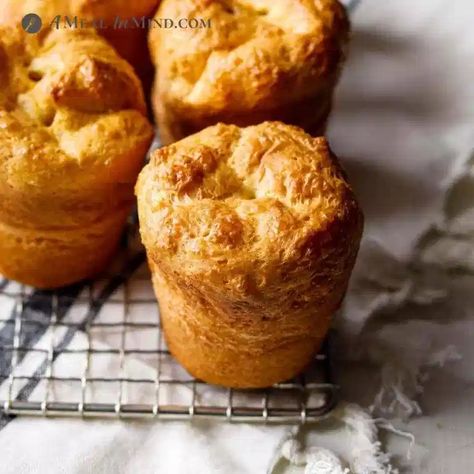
72 122
254 55
264 195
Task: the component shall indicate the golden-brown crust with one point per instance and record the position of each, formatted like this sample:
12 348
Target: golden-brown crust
251 235
258 60
129 42
73 135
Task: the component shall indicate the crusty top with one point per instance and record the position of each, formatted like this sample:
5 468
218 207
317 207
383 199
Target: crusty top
72 119
265 193
253 52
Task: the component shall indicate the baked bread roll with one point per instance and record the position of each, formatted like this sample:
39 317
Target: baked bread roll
251 236
73 136
259 60
130 41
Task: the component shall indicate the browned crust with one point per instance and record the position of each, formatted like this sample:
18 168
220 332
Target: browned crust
251 235
53 258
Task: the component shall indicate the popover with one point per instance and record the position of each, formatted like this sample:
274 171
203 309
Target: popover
251 235
130 40
257 60
73 136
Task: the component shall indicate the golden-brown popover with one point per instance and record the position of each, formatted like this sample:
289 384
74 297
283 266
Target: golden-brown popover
258 60
73 136
251 235
130 42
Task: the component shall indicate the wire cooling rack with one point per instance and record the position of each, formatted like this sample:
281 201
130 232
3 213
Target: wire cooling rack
96 349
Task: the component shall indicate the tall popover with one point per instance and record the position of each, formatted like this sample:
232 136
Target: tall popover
119 21
246 61
251 236
73 137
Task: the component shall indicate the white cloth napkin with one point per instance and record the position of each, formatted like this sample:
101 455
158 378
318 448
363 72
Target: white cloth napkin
402 126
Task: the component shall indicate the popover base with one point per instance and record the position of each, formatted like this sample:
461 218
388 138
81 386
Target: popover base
240 351
310 114
53 258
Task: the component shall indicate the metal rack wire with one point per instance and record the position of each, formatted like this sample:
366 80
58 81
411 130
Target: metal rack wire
96 349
